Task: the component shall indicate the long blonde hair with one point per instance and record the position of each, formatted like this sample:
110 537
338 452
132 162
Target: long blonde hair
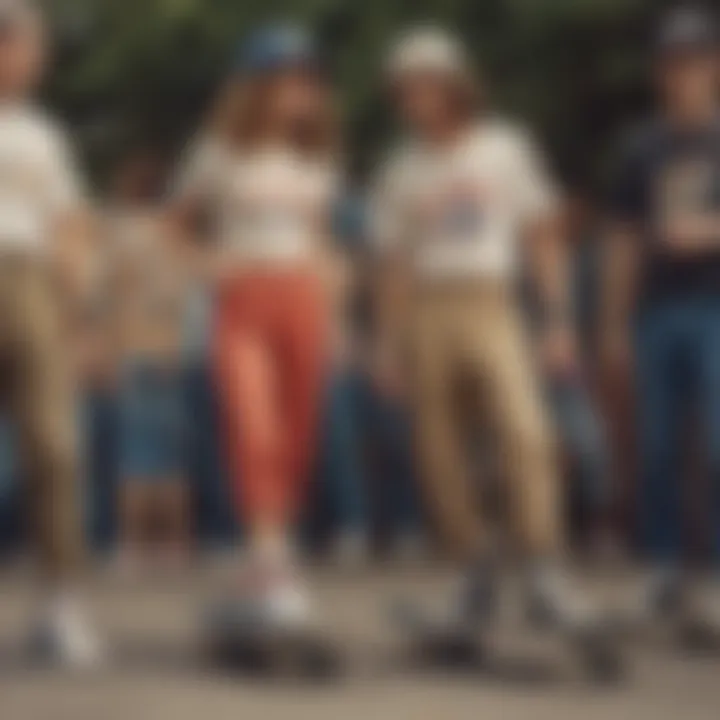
238 119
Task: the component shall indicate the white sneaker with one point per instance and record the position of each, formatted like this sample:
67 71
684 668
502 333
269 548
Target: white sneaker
288 606
66 636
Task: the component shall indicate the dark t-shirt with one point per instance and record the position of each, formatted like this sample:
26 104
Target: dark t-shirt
665 172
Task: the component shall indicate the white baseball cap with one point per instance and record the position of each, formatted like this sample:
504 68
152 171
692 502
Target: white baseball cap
428 50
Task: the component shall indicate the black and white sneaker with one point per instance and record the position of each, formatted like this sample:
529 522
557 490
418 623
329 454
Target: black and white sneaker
700 619
476 601
65 637
454 637
554 602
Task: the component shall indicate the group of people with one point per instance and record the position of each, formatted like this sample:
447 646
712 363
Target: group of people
460 215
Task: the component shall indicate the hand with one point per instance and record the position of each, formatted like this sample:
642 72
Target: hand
691 233
559 351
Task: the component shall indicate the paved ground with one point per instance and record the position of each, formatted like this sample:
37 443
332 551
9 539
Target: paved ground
158 673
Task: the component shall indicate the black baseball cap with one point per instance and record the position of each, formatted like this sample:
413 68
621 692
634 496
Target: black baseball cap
687 29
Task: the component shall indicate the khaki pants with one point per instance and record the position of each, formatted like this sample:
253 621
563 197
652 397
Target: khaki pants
475 333
36 390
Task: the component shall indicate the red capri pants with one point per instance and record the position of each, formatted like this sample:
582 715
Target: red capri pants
270 356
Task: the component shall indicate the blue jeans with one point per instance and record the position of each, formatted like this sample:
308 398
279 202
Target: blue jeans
10 496
583 438
341 498
98 426
207 473
153 423
678 376
389 433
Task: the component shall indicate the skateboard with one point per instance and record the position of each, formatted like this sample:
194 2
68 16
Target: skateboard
438 641
240 638
597 647
462 646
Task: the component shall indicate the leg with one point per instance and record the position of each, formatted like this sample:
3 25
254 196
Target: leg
399 479
343 458
710 393
392 475
403 490
9 496
526 443
250 397
99 435
662 411
529 459
342 473
301 353
270 374
215 519
171 463
134 505
172 497
43 405
44 408
447 485
140 447
581 432
697 603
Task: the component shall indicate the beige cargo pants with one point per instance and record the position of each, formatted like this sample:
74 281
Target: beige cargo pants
475 333
37 393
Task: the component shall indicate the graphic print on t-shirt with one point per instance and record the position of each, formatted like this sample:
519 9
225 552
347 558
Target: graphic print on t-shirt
462 210
686 187
463 215
452 214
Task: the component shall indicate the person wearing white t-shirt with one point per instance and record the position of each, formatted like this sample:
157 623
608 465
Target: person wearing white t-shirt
456 209
262 182
42 229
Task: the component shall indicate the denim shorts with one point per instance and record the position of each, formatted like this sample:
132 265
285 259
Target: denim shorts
152 422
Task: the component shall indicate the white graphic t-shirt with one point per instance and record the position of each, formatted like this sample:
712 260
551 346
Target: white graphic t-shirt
460 211
267 206
38 179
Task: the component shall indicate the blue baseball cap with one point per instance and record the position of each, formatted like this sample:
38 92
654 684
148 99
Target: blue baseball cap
276 47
